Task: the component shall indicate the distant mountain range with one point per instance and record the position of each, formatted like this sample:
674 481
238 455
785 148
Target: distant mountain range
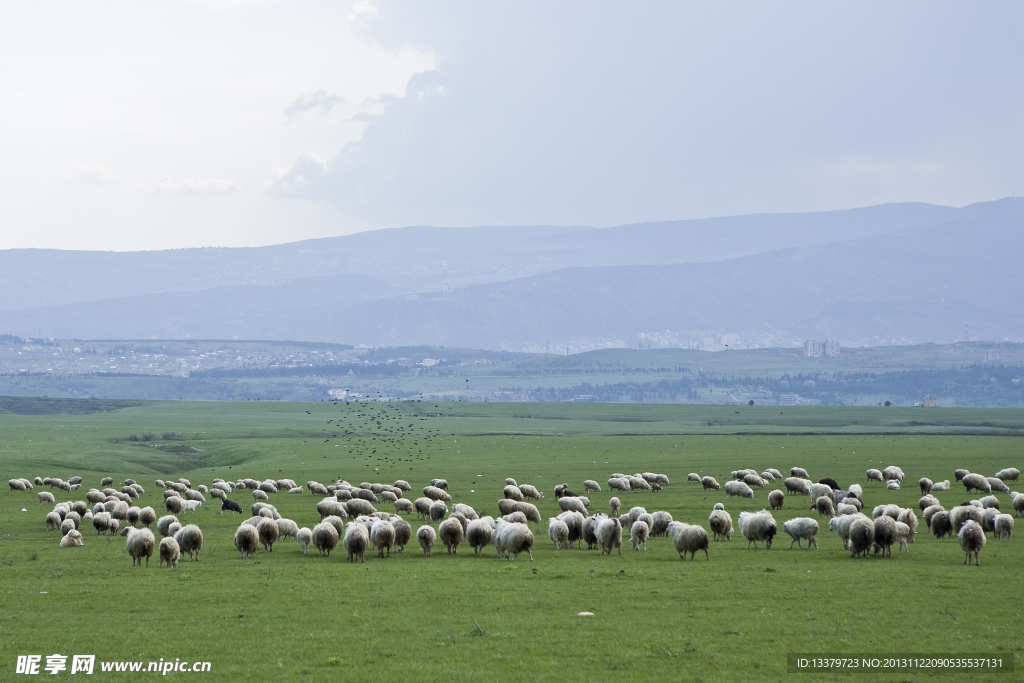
892 273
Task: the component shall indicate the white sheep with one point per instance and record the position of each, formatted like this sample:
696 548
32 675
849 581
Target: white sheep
976 481
305 537
190 540
1002 527
613 506
688 538
875 475
797 485
738 488
941 485
609 535
591 485
720 522
404 505
885 535
710 483
72 539
438 510
382 536
532 491
511 539
426 537
776 499
1008 474
758 526
572 503
169 552
558 532
619 484
286 528
638 534
903 535
478 534
802 528
325 538
356 540
892 485
512 493
661 519
268 533
140 543
799 472
451 533
693 476
861 536
972 540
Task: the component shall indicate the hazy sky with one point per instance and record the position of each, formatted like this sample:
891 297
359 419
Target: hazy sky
130 125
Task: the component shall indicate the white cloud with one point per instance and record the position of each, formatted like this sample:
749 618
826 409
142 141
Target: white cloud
318 100
197 185
90 174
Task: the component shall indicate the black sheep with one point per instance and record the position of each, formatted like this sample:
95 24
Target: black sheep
830 482
230 505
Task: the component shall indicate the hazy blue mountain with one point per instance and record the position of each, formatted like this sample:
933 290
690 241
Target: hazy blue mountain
410 258
922 283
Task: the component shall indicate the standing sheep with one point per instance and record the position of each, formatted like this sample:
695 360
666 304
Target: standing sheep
926 485
426 537
776 499
688 538
885 535
638 534
824 507
355 541
862 536
797 485
438 510
558 532
268 533
875 475
513 493
190 540
140 543
511 539
710 483
169 552
325 538
247 540
720 522
613 506
305 538
1009 474
800 528
451 533
609 535
1002 526
758 526
661 521
403 533
738 488
532 492
382 535
798 472
976 481
940 524
478 534
972 540
910 519
591 485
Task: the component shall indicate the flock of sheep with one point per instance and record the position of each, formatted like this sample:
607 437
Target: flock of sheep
348 516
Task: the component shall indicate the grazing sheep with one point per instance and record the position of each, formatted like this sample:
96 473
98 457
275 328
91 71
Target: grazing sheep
512 493
423 507
988 518
941 485
796 485
799 472
710 483
358 506
356 539
738 488
758 526
753 480
1002 526
572 503
619 484
824 507
689 538
403 533
838 496
693 476
609 535
614 505
451 533
174 505
73 539
875 475
638 534
163 525
45 497
997 485
767 476
435 493
170 552
902 535
1017 501
528 509
989 502
438 510
304 536
885 535
890 510
517 517
405 505
369 496
776 499
940 524
1009 474
801 528
927 501
389 496
661 520
53 520
976 481
720 522
972 540
101 522
17 485
532 491
639 483
468 512
841 525
926 515
718 506
67 525
478 534
558 532
140 543
830 482
147 516
510 539
926 485
862 536
908 517
325 538
960 474
425 536
189 539
268 533
892 473
382 535
961 514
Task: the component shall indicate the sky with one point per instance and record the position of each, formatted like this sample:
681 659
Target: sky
243 122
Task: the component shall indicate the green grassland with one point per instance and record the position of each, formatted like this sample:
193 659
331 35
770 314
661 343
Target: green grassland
286 616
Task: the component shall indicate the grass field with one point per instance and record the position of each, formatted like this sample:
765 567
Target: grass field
285 616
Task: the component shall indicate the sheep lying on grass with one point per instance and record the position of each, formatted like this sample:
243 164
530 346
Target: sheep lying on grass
73 539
